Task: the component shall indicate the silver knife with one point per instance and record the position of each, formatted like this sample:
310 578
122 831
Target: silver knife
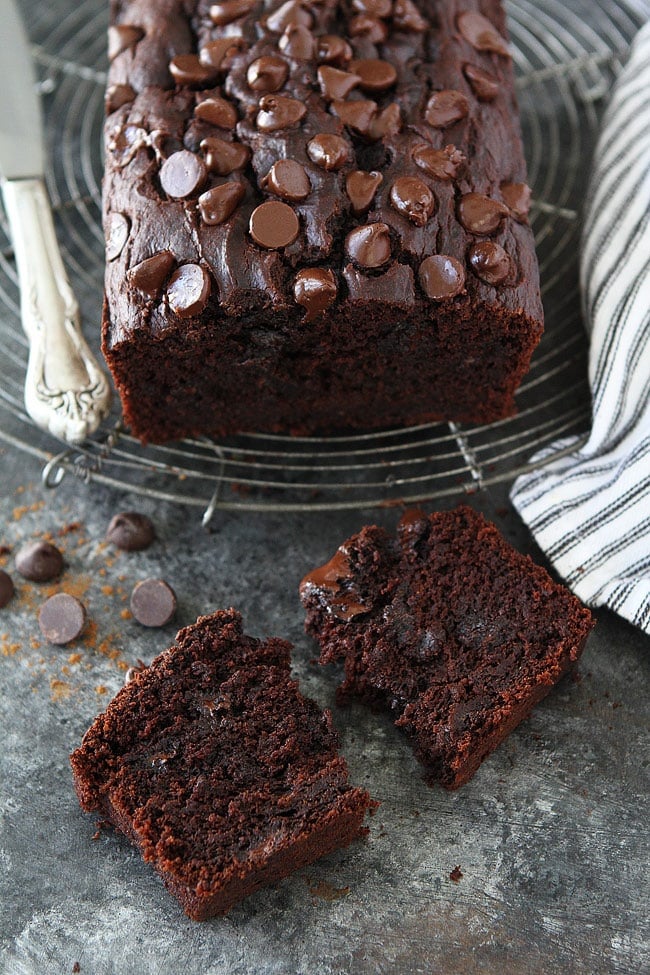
66 392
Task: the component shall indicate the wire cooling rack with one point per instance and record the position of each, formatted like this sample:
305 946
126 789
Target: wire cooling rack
566 55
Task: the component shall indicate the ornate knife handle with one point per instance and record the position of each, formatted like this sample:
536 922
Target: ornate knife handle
66 392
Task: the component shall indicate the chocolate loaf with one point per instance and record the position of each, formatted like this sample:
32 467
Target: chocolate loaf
316 216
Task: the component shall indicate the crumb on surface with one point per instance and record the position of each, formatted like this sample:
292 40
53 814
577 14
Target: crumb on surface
456 874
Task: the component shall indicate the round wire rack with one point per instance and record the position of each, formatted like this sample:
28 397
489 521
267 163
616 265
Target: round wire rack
566 55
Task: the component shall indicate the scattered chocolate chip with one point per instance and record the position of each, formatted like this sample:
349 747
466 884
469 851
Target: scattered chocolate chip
279 112
480 214
484 85
130 531
335 83
182 174
273 225
442 277
407 17
150 275
121 37
298 43
217 111
188 290
287 179
291 12
219 203
186 69
369 245
489 261
358 115
39 561
410 196
315 289
446 107
225 13
62 618
153 602
117 234
388 122
517 199
6 588
117 96
371 28
439 163
376 75
267 73
222 157
215 54
481 34
329 151
332 49
375 8
361 188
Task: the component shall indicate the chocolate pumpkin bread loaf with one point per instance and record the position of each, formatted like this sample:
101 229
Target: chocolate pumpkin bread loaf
448 627
218 769
315 214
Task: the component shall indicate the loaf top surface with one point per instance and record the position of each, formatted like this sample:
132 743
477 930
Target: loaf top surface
312 157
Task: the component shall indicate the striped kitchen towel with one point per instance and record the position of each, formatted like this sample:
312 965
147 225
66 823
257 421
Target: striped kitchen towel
590 510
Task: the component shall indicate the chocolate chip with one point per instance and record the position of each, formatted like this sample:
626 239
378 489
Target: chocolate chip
481 34
121 37
517 199
186 69
439 163
329 151
287 179
219 203
133 671
291 12
489 261
361 188
369 245
62 618
222 157
6 588
315 289
335 83
188 290
298 43
407 17
117 234
153 602
39 561
217 111
358 115
388 122
150 275
117 96
410 196
267 74
446 107
480 214
484 85
279 112
130 531
273 225
332 49
371 28
215 54
442 277
375 8
182 174
225 13
376 75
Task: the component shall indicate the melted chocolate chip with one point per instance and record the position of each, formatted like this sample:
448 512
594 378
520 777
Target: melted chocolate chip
216 53
336 581
6 588
481 34
274 225
407 17
484 85
130 531
445 108
121 37
315 289
287 179
369 245
388 122
225 13
335 83
117 234
439 163
291 12
279 112
298 43
332 49
117 96
188 290
39 561
489 261
217 111
153 602
361 188
329 151
267 74
410 196
357 116
219 203
373 29
480 214
442 277
376 75
62 618
183 174
150 275
223 157
517 199
186 69
374 8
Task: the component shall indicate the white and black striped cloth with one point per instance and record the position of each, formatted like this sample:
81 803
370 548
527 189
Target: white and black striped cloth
590 510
